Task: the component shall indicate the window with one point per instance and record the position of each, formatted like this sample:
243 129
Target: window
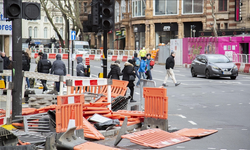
85 7
226 26
56 36
192 6
123 8
35 32
30 31
165 7
138 8
222 5
45 32
128 6
61 19
117 19
56 19
45 19
218 26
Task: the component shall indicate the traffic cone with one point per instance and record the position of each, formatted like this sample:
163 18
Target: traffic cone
72 122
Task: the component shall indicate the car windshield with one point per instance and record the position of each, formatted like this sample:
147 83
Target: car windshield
218 59
81 47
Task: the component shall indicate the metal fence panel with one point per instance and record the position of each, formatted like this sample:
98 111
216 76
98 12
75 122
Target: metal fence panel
163 53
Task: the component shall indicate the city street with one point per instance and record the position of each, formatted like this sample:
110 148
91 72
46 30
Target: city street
222 104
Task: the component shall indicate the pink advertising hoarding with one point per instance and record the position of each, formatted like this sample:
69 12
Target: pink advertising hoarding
228 46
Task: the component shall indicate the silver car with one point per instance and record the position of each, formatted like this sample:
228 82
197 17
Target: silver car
213 65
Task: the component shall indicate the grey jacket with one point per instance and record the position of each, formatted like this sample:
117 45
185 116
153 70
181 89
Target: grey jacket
80 67
58 67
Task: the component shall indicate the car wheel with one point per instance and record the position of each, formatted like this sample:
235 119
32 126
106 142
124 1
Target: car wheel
207 73
233 77
193 73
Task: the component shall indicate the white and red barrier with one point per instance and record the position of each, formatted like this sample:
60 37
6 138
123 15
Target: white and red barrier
187 65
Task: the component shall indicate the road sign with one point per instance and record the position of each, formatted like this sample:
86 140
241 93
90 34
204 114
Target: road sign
73 35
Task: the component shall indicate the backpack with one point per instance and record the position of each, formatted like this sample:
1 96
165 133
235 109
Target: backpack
152 63
137 62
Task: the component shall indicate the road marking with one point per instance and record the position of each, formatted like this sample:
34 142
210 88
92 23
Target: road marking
93 75
178 109
232 90
193 93
180 146
217 105
203 93
211 148
244 129
182 94
193 123
182 116
213 92
223 149
228 104
204 106
159 79
219 128
223 91
173 95
184 84
137 93
158 71
241 90
191 108
240 103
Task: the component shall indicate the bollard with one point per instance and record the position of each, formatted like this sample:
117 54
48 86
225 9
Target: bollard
109 92
61 78
69 84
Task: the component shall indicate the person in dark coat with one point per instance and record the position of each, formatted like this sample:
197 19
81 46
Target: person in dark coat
26 65
127 71
80 67
169 67
44 65
115 71
136 65
6 63
58 68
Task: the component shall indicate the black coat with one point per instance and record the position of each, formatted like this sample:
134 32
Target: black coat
58 67
6 62
115 71
80 67
25 62
170 62
44 65
128 70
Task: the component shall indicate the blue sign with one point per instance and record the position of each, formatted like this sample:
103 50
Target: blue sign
73 35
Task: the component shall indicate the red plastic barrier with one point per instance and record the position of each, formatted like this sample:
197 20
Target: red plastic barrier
87 62
65 56
238 65
36 55
246 69
101 57
52 56
79 55
92 57
124 58
114 58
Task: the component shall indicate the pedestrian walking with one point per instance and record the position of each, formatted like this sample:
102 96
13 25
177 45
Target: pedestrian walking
6 63
170 63
142 70
58 68
149 66
115 71
143 53
80 67
28 50
26 65
38 58
136 63
129 75
44 65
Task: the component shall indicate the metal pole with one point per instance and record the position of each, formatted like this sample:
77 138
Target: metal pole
68 48
17 75
72 58
105 53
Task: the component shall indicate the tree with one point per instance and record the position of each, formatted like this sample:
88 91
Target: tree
48 10
212 2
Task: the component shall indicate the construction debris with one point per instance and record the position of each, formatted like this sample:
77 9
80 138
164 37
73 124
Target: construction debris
41 100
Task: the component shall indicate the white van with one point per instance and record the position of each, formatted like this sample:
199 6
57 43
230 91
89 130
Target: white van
81 47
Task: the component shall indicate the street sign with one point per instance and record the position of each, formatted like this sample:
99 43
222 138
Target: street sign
73 35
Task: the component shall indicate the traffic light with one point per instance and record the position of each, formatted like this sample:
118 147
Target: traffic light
12 9
31 11
107 14
95 12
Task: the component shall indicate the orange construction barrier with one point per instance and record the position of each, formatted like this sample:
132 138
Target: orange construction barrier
91 145
90 131
156 102
82 89
65 106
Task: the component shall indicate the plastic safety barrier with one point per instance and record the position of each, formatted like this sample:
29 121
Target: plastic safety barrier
92 57
52 56
156 102
91 145
238 65
195 132
155 138
114 58
65 56
66 105
124 58
36 55
247 67
90 131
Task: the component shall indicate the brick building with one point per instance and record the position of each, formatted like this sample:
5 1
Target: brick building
143 23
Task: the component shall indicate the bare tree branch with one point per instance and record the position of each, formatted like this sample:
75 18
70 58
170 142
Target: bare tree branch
212 2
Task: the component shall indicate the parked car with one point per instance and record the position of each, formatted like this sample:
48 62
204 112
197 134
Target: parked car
213 65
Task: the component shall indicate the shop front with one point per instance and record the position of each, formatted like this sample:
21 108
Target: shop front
139 33
164 32
5 34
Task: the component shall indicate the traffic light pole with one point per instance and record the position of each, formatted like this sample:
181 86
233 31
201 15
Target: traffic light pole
68 48
17 73
105 54
72 61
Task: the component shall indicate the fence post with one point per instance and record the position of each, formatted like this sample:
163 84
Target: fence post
109 92
61 85
68 84
8 101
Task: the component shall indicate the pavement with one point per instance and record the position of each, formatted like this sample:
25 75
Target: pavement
219 103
